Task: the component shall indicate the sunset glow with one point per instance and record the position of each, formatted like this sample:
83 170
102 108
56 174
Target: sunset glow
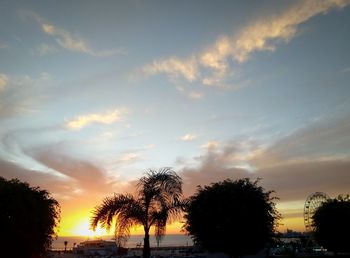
92 94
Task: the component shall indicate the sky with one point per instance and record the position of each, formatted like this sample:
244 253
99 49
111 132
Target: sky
94 93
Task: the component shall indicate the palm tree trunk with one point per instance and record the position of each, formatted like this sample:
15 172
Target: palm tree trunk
146 246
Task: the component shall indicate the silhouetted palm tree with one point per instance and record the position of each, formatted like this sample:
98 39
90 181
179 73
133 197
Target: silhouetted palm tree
159 199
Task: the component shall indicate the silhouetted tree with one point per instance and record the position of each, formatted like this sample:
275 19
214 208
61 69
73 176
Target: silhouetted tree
234 217
28 217
158 201
332 224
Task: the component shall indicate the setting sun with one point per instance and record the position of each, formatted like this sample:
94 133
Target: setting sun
78 224
82 228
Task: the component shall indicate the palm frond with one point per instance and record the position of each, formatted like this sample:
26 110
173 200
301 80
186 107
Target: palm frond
159 201
159 220
163 184
132 215
117 207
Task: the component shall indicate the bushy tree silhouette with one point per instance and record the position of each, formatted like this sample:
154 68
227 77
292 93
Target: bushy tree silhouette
159 200
28 217
332 224
234 217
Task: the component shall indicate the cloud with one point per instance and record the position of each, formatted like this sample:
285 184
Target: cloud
73 43
106 118
65 39
261 35
22 94
188 137
211 168
57 185
292 182
296 181
195 95
45 49
3 81
84 182
324 139
41 161
149 146
313 158
211 66
174 67
130 157
83 175
3 45
210 145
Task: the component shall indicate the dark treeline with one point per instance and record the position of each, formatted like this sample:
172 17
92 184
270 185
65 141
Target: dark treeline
234 217
28 218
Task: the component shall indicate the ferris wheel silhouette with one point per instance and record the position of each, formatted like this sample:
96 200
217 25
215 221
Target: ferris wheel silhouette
312 203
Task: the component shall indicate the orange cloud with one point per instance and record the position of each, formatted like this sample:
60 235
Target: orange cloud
188 137
261 35
105 118
174 67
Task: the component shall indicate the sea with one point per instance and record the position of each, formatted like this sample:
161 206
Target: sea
134 241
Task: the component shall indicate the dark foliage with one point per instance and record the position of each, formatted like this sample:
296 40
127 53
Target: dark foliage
234 217
332 224
28 217
158 201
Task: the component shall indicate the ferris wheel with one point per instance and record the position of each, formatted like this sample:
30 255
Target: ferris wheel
312 202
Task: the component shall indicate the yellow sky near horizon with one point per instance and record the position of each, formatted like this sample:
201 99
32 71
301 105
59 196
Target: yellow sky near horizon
78 223
80 227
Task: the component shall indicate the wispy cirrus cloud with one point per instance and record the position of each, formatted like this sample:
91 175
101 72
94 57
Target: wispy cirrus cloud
3 81
211 66
195 94
66 39
45 49
262 35
192 94
73 43
22 94
50 164
174 67
3 45
188 137
110 117
130 156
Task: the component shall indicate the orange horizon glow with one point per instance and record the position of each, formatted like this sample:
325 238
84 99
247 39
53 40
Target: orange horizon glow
75 219
78 224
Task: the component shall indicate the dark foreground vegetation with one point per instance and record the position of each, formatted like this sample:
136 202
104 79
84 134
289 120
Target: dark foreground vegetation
332 224
28 217
233 217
